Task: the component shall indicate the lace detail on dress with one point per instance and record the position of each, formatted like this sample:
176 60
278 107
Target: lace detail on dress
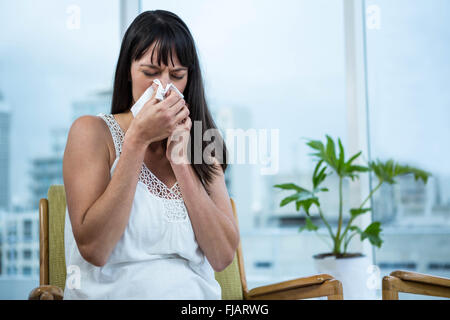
116 131
172 199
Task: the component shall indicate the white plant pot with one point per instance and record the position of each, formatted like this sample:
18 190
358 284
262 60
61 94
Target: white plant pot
355 274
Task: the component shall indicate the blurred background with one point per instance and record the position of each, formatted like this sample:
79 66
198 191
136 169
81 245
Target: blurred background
374 73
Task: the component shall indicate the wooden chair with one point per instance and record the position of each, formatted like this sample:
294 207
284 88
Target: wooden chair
416 283
232 279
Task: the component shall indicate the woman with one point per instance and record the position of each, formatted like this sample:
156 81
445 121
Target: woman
140 225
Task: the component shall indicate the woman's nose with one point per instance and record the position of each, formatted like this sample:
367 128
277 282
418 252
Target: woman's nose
165 80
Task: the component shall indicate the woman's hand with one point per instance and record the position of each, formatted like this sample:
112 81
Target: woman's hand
177 143
158 119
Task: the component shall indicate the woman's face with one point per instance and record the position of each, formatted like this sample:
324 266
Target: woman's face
144 71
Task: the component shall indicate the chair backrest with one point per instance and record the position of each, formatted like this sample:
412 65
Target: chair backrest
52 256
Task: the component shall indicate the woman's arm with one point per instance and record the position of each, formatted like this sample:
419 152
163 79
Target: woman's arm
212 216
99 205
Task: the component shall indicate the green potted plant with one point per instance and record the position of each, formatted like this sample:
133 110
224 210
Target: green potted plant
349 268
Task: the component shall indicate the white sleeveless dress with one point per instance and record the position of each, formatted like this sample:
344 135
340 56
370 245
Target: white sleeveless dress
157 256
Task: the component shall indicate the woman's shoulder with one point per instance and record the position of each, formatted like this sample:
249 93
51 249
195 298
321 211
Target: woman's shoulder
91 133
89 126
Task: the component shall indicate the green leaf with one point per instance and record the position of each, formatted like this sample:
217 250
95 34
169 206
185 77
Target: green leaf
298 205
321 177
331 153
306 204
289 199
358 168
372 233
355 228
383 171
341 162
418 173
387 171
356 212
316 144
314 177
349 162
310 226
318 154
289 186
298 196
317 167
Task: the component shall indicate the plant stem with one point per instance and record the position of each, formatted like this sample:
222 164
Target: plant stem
371 193
360 207
349 223
348 241
337 242
326 224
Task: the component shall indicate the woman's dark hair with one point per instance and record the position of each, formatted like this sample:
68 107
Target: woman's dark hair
168 32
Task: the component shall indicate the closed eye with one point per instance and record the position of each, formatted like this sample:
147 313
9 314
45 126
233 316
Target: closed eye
154 74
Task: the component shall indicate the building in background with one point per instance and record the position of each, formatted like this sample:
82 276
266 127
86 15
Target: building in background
93 104
5 124
2 214
238 177
20 244
415 221
47 170
19 227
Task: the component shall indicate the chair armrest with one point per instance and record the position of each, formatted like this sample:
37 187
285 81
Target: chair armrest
282 289
422 278
46 292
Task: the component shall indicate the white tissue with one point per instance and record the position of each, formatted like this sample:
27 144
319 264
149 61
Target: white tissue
160 93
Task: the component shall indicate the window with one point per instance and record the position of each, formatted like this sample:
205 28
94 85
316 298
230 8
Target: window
12 233
27 254
26 271
27 230
287 73
408 70
12 254
11 270
61 59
